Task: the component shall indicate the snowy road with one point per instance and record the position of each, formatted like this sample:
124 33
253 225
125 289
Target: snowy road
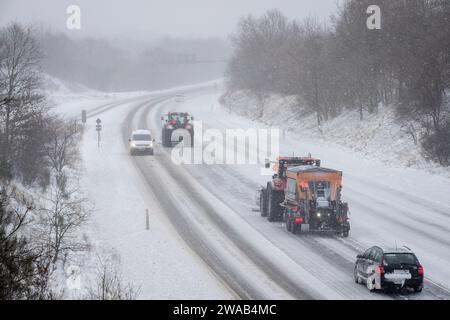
210 207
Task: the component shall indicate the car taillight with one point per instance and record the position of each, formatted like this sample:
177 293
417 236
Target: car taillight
298 220
420 271
379 270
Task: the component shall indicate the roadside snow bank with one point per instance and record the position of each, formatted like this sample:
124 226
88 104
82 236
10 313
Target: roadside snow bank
378 136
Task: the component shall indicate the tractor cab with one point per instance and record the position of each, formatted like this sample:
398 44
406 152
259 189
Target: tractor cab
177 119
283 163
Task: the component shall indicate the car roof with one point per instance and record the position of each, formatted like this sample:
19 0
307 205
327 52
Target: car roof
388 250
141 132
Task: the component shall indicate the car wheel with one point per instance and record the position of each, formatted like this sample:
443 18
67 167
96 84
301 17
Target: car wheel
371 284
356 276
151 152
418 289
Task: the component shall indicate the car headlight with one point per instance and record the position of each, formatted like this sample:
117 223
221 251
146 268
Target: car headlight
133 144
318 215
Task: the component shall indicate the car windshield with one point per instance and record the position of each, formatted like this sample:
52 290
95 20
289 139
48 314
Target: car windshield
400 258
142 137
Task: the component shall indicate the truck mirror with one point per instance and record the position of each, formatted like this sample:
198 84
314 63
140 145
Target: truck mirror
267 164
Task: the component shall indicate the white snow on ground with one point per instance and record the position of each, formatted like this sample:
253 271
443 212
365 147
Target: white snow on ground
69 99
379 136
389 204
156 261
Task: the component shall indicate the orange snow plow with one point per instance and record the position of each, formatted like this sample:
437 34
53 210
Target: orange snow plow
313 197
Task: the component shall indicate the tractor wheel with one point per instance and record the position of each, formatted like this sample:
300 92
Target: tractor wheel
192 139
296 228
288 224
166 138
274 209
163 138
263 203
346 231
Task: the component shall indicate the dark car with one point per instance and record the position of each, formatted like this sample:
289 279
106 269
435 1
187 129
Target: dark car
387 269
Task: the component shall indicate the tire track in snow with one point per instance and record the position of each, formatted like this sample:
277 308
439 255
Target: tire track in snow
432 289
268 266
234 281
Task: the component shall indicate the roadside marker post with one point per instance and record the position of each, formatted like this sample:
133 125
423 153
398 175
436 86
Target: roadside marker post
147 220
99 129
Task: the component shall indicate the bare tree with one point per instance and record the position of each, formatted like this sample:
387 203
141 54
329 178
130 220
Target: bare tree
62 149
20 101
60 221
109 283
66 209
21 272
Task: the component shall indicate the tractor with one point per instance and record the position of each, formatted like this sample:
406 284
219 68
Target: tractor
175 121
271 197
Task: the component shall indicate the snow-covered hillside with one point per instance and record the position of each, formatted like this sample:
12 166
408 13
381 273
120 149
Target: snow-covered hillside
379 136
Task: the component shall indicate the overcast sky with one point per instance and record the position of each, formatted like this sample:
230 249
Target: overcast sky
143 18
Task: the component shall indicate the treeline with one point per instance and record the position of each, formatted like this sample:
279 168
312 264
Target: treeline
343 65
42 207
38 152
131 66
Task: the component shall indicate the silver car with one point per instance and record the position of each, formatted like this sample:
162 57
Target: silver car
141 142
